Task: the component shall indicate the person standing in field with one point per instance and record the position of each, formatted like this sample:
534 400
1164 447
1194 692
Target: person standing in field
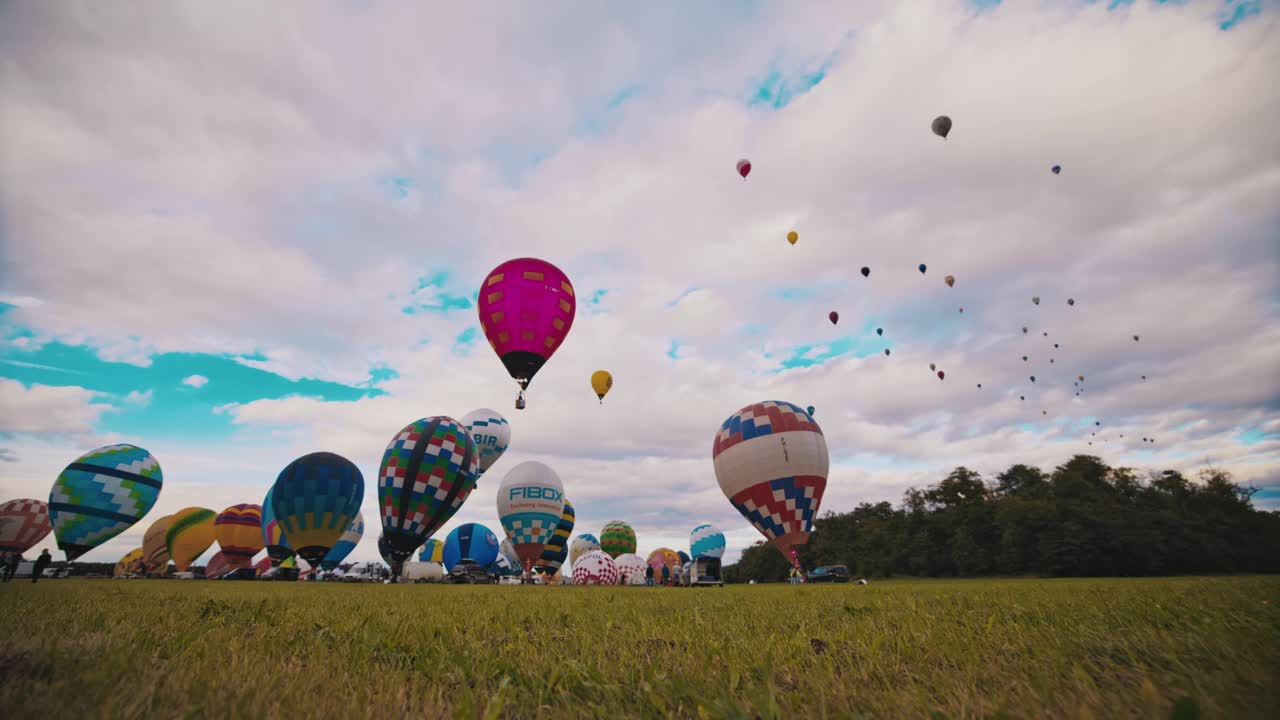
41 563
648 575
666 575
5 571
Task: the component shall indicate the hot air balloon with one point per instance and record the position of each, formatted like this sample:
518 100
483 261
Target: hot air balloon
941 375
1135 338
880 331
23 523
190 533
1056 169
792 237
471 541
1024 330
556 550
1022 397
617 538
100 495
238 530
933 366
491 433
1051 361
218 566
341 549
950 280
432 551
1036 300
1144 377
155 552
834 317
886 351
631 569
1080 377
595 568
130 563
922 267
1055 346
427 472
684 557
384 550
962 311
503 567
979 386
1033 378
663 556
273 534
809 410
771 463
706 541
507 550
530 503
941 126
866 271
1071 302
1024 358
601 381
584 543
744 168
526 308
316 496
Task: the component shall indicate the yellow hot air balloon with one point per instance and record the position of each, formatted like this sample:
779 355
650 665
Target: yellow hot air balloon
155 552
130 563
601 381
190 534
239 533
792 237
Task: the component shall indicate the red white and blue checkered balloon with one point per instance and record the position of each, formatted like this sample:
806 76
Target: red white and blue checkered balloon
771 462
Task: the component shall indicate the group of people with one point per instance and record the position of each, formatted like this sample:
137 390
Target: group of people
667 578
10 561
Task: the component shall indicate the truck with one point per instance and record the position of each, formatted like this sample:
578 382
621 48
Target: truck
422 572
705 570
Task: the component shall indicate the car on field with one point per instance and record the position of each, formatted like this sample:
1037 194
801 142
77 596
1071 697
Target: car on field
366 572
828 573
469 572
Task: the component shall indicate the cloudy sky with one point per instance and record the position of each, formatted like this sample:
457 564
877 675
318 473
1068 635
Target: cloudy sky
235 234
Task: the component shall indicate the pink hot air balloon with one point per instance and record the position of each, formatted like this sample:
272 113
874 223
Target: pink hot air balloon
744 168
23 523
526 309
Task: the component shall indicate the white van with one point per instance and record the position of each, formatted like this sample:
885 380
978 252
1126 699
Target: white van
366 572
422 572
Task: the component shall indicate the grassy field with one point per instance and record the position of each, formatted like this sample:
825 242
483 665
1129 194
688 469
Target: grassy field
1159 648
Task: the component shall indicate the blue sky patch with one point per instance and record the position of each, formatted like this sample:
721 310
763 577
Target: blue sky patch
812 354
674 349
441 300
1254 436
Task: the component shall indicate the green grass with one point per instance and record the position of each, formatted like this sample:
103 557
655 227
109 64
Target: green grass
954 649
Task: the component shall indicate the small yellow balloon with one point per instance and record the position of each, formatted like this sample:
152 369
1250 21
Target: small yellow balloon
792 237
601 381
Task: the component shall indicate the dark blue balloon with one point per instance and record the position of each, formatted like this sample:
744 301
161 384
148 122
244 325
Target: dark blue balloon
922 268
1057 169
472 541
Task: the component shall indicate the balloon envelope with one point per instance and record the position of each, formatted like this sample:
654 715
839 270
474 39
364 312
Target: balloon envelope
341 549
922 268
792 237
584 543
595 568
273 533
631 569
428 470
130 563
432 551
706 541
154 548
526 308
23 523
941 126
601 381
491 433
530 503
617 538
100 495
218 566
834 317
471 541
771 463
315 497
557 548
950 280
238 530
190 533
661 557
744 168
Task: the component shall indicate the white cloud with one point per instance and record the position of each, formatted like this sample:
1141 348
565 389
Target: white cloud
138 398
277 238
195 381
44 409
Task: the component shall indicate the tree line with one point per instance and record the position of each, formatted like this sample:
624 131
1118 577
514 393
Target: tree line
1083 519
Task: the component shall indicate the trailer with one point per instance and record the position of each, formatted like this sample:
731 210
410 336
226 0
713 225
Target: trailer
705 570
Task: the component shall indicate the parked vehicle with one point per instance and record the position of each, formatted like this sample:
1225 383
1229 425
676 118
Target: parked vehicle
367 572
829 573
470 572
509 580
705 571
419 572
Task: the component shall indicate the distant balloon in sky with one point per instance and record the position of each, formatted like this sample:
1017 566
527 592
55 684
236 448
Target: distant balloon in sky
1024 330
1033 378
792 237
922 267
950 280
1071 301
834 317
1036 299
933 366
809 410
866 271
941 126
1024 358
744 168
530 503
880 331
617 538
1056 169
771 462
23 523
886 351
601 382
979 385
491 433
942 375
428 470
706 541
526 308
100 495
315 497
1135 338
238 530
